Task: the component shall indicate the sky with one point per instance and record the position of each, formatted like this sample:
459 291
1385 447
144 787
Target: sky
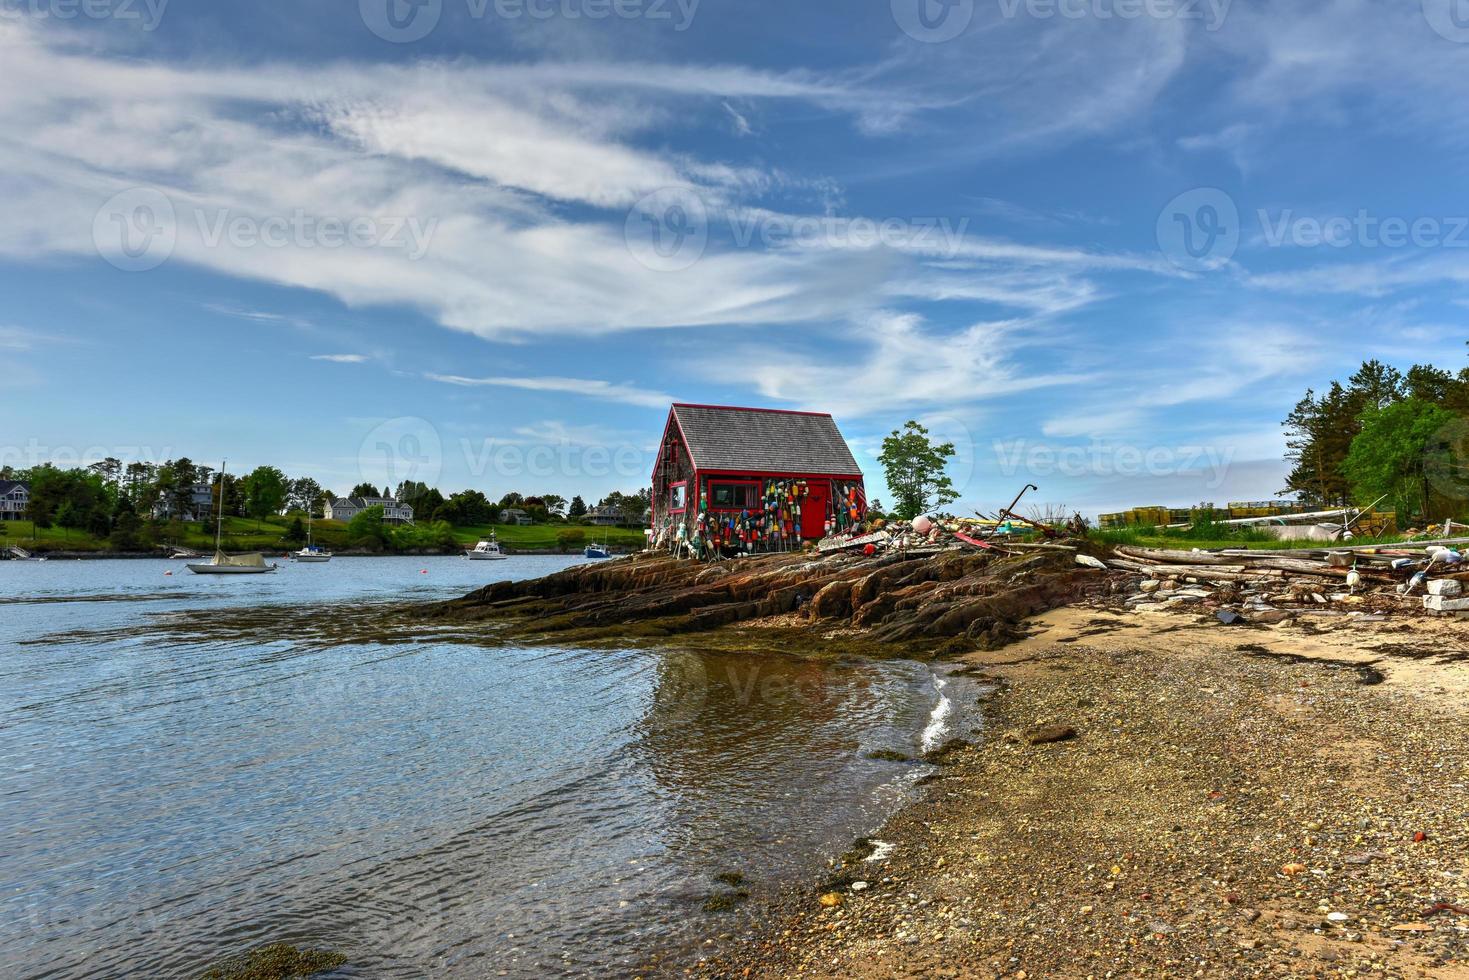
1102 246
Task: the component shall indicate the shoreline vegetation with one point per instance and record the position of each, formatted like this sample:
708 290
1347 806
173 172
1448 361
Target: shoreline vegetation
273 534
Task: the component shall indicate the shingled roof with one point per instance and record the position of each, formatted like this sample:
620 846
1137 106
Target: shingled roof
764 441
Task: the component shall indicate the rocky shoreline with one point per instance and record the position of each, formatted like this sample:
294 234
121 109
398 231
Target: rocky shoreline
1286 801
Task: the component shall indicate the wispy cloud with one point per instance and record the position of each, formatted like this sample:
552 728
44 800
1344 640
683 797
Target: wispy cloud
341 358
627 394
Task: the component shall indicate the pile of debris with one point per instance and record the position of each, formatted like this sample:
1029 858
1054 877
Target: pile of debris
1270 586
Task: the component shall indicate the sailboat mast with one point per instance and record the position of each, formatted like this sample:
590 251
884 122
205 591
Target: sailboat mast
219 520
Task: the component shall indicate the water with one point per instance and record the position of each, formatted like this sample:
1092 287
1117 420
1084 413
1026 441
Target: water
430 806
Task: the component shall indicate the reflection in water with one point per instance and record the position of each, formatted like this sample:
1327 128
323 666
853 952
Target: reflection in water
435 807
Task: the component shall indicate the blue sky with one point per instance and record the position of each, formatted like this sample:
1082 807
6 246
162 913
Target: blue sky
1103 245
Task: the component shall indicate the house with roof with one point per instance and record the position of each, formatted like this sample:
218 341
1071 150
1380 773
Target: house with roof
15 497
514 515
199 505
605 515
346 508
752 479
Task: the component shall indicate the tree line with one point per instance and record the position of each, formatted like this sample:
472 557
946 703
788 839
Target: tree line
1384 433
110 499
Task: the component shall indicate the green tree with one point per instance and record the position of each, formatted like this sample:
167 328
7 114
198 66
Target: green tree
367 530
577 509
305 495
915 471
571 539
297 531
265 490
363 490
1395 452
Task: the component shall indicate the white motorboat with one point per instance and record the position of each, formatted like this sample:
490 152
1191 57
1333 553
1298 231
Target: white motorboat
312 552
487 551
221 563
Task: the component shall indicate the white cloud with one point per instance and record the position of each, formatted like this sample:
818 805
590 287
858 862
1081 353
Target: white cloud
892 361
626 394
341 358
488 159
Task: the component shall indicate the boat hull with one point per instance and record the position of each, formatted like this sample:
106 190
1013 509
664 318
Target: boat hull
313 557
211 569
484 556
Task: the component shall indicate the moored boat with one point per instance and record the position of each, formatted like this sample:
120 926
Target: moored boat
488 550
221 563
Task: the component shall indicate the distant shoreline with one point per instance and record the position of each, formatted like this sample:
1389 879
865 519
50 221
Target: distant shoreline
144 555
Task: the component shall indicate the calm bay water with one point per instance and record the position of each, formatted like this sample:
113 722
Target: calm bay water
434 807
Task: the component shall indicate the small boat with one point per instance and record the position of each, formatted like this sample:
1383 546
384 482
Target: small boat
487 551
221 563
597 551
312 552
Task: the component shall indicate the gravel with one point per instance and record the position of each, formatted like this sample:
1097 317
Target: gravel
1214 814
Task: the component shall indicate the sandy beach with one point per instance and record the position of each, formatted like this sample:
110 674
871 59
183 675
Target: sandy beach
1287 801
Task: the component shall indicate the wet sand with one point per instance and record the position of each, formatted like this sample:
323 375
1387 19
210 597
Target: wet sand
1289 801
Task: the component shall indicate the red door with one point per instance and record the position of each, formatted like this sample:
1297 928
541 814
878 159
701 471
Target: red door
813 509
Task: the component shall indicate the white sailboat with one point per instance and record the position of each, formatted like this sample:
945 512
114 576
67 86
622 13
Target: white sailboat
221 563
487 550
312 551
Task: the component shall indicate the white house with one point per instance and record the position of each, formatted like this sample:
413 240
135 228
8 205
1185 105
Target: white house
15 497
514 515
346 508
604 516
199 508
